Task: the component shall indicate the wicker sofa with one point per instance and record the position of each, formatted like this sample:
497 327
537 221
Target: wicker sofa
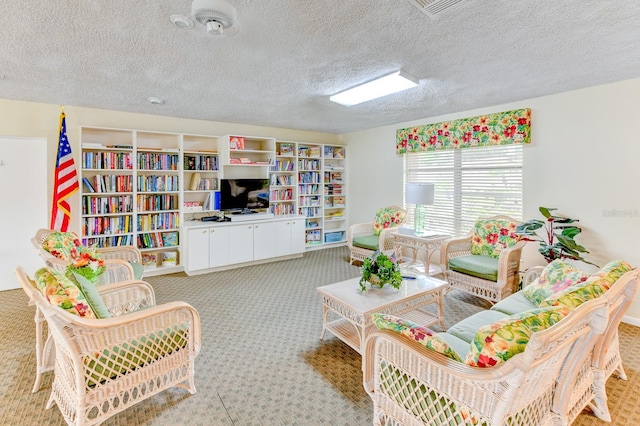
415 376
106 363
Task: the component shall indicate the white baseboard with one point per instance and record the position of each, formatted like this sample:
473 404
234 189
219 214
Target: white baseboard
631 320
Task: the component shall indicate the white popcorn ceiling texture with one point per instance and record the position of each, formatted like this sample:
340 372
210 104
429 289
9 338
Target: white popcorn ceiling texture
290 55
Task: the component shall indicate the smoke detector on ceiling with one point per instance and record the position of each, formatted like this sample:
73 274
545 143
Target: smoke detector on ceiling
433 8
218 17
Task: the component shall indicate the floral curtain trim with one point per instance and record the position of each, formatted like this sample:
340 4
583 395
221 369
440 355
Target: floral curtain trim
502 128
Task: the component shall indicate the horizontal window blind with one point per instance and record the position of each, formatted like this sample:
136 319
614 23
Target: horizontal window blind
469 184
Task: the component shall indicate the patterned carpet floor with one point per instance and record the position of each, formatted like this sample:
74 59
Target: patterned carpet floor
262 360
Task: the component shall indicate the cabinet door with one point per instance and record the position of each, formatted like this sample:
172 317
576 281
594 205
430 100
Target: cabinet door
240 243
264 240
197 249
297 236
218 246
283 238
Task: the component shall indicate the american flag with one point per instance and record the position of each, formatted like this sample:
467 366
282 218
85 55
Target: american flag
66 181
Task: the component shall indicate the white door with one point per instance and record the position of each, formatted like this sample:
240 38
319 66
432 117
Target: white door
23 204
264 240
240 243
218 246
197 249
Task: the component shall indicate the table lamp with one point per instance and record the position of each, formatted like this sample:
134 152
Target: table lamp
419 194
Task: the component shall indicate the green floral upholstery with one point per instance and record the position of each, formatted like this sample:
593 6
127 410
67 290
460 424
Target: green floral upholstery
62 292
426 337
495 343
83 260
593 287
556 276
491 236
387 217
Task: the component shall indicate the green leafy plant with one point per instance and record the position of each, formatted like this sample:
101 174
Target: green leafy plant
556 236
380 269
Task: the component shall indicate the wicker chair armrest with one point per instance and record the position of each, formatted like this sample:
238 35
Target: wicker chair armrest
386 242
128 296
128 253
454 247
357 230
531 274
509 260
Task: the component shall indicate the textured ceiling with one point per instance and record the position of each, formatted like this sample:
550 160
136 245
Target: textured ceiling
290 55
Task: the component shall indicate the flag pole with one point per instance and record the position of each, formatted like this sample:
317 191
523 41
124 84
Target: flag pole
65 179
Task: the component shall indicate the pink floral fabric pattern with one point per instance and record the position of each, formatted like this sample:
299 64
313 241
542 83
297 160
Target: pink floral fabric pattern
502 128
495 343
62 292
491 236
425 336
387 217
556 276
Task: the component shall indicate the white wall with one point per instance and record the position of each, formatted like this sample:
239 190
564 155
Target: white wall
583 159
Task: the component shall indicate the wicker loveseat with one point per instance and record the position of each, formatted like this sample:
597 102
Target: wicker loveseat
555 365
105 365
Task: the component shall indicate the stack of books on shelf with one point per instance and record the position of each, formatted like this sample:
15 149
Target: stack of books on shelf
286 150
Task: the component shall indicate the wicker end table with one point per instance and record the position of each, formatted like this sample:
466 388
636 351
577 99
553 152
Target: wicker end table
346 311
424 243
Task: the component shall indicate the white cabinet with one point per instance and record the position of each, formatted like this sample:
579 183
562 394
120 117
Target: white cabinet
288 237
213 247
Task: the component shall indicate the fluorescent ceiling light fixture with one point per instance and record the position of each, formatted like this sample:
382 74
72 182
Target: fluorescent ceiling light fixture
383 86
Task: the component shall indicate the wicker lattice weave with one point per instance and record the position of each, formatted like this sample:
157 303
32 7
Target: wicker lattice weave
103 366
410 385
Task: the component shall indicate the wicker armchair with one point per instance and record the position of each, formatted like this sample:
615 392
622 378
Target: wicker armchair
507 267
104 366
412 385
361 240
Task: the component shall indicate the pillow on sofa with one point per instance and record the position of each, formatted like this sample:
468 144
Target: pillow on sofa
426 337
491 236
555 277
495 343
92 296
63 245
387 217
62 292
593 287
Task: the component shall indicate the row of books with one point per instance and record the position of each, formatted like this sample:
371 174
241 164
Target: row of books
313 189
281 180
107 225
107 205
108 183
153 161
309 177
283 166
282 209
198 183
200 162
304 164
310 211
115 241
157 202
333 177
333 152
106 160
333 189
155 183
157 240
313 236
308 151
166 259
285 149
155 221
309 201
334 201
281 194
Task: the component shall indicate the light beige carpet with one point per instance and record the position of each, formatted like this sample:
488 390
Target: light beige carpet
262 362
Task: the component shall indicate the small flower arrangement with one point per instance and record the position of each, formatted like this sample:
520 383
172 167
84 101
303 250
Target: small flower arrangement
380 269
88 264
82 260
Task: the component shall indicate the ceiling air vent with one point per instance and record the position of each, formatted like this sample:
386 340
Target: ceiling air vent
434 8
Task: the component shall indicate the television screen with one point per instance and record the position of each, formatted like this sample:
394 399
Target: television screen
240 194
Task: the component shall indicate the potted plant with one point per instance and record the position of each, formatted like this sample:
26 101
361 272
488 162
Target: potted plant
557 239
380 269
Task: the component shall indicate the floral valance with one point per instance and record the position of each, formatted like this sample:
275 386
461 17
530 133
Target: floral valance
501 128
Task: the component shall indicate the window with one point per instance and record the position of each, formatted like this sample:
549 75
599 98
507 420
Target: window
469 184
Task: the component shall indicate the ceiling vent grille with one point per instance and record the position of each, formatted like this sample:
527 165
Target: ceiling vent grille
434 8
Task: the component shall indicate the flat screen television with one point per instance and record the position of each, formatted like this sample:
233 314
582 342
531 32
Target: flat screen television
244 194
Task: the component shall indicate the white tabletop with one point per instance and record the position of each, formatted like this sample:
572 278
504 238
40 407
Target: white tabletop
348 292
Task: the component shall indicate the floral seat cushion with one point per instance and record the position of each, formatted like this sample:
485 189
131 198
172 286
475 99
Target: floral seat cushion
425 336
387 217
491 236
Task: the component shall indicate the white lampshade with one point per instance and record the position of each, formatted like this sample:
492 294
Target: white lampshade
419 193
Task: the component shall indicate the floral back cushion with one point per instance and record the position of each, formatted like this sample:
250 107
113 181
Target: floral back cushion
596 285
63 245
495 343
491 236
556 276
388 217
62 292
425 336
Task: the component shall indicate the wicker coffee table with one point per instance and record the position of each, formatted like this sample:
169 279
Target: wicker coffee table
346 312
